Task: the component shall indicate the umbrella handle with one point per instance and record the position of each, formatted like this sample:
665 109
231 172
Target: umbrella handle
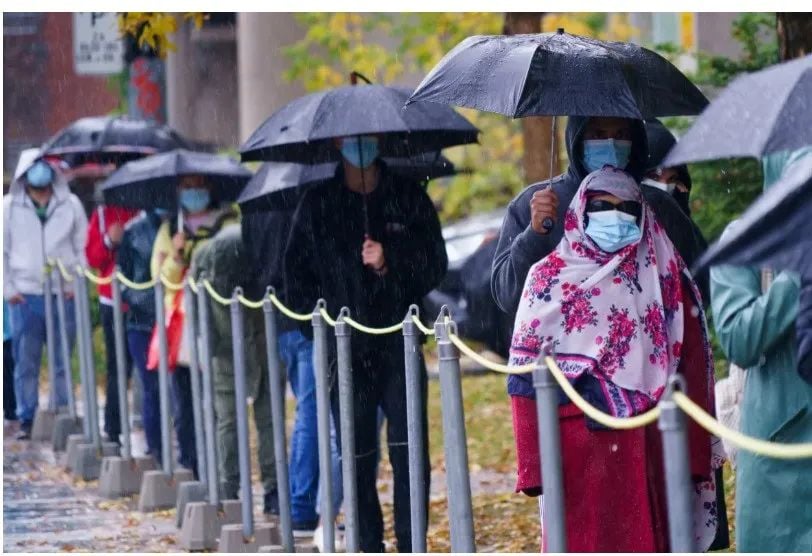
547 224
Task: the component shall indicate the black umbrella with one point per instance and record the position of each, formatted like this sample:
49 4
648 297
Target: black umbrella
776 230
554 74
303 130
761 113
279 185
116 140
152 181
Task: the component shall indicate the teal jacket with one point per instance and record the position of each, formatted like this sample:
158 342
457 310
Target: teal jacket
757 332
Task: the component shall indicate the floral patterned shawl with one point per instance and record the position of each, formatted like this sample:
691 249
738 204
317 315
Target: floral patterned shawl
615 317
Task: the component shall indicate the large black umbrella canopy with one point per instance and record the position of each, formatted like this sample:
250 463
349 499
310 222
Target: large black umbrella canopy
776 230
152 181
109 139
279 185
303 130
558 74
761 113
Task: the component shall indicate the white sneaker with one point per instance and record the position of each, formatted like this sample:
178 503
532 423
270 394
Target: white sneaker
318 539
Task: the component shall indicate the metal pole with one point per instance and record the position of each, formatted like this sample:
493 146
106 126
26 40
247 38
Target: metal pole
87 340
163 378
50 341
320 365
121 367
276 384
194 374
84 365
555 533
456 452
414 422
64 342
208 396
678 487
346 408
238 346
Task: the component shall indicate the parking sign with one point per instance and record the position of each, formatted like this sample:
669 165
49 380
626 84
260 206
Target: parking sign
97 45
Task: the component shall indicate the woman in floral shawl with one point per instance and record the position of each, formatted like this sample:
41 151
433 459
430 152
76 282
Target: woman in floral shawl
616 306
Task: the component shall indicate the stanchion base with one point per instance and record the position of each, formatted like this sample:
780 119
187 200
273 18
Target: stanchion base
72 449
201 526
122 477
43 427
232 539
64 426
190 491
232 511
159 490
308 548
88 459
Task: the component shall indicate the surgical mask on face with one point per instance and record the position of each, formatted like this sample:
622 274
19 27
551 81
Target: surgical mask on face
363 155
40 175
667 187
612 230
600 152
195 200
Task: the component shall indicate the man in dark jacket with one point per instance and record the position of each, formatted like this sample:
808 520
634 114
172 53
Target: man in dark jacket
371 242
134 253
523 240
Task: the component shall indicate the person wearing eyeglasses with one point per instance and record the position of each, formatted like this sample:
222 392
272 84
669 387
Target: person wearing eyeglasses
616 307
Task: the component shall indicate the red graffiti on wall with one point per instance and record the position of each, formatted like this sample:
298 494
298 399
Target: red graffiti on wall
148 90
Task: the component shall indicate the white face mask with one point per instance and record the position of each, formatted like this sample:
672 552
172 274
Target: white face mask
667 187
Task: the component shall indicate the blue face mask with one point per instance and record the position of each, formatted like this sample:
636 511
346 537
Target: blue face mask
612 230
40 175
363 156
195 200
600 152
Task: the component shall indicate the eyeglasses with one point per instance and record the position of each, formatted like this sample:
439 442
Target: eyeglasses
629 207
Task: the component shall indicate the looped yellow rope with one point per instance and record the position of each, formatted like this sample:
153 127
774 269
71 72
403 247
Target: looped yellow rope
171 286
135 285
754 445
98 280
287 312
66 276
214 295
326 316
422 327
250 304
192 284
373 331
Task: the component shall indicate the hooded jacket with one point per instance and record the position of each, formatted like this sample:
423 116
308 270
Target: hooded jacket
28 243
101 254
520 246
134 255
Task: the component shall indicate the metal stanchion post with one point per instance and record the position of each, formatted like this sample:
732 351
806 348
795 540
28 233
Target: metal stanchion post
163 379
320 367
84 361
121 367
555 534
87 339
456 451
276 386
190 319
50 343
64 342
208 396
679 492
414 421
347 418
238 338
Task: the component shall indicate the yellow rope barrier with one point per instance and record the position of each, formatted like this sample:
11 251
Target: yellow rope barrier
250 304
62 270
172 286
422 327
287 312
754 445
192 284
373 331
326 316
98 280
135 285
214 295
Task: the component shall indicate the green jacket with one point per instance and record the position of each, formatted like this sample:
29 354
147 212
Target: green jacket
773 497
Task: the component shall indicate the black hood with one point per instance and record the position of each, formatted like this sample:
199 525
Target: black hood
575 131
660 141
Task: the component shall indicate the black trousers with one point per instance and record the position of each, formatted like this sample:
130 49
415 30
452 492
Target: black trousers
9 401
112 418
379 381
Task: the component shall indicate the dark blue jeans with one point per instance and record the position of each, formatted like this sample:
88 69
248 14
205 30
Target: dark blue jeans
28 337
184 417
138 343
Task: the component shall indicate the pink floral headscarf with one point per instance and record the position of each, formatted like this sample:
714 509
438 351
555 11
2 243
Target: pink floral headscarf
616 316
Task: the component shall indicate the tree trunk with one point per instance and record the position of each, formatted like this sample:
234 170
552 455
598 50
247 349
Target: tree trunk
794 34
536 130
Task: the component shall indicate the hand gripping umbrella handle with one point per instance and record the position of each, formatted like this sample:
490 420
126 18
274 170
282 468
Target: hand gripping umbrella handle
547 224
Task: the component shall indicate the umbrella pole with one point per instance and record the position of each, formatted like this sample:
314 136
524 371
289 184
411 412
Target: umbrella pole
548 222
363 188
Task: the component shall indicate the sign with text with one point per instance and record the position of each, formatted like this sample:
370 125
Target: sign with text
97 45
